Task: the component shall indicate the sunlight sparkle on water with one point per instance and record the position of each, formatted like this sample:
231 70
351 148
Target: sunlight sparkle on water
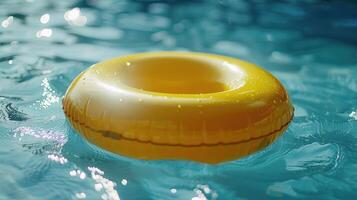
46 32
45 18
49 94
109 192
74 17
8 21
353 115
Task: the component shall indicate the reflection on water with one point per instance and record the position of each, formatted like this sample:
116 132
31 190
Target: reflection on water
309 45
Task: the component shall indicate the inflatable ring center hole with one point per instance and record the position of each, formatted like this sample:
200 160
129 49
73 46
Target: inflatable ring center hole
180 75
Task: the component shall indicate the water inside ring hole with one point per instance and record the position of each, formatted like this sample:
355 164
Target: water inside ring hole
177 75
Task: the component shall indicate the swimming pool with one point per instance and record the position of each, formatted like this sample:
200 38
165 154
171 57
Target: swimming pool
310 46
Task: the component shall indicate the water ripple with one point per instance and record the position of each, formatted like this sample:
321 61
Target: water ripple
9 112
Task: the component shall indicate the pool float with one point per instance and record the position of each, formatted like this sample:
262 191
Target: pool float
178 105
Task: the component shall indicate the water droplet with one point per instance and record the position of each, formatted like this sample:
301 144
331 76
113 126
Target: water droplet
179 106
128 63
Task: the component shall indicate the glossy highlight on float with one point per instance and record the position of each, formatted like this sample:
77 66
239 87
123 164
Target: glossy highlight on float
178 105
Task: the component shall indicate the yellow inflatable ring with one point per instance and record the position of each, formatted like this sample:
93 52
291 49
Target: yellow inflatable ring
178 105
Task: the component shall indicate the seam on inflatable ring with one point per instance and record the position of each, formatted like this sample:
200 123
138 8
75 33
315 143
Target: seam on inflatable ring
118 136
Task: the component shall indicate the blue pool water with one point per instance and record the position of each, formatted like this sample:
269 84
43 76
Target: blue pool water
310 45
